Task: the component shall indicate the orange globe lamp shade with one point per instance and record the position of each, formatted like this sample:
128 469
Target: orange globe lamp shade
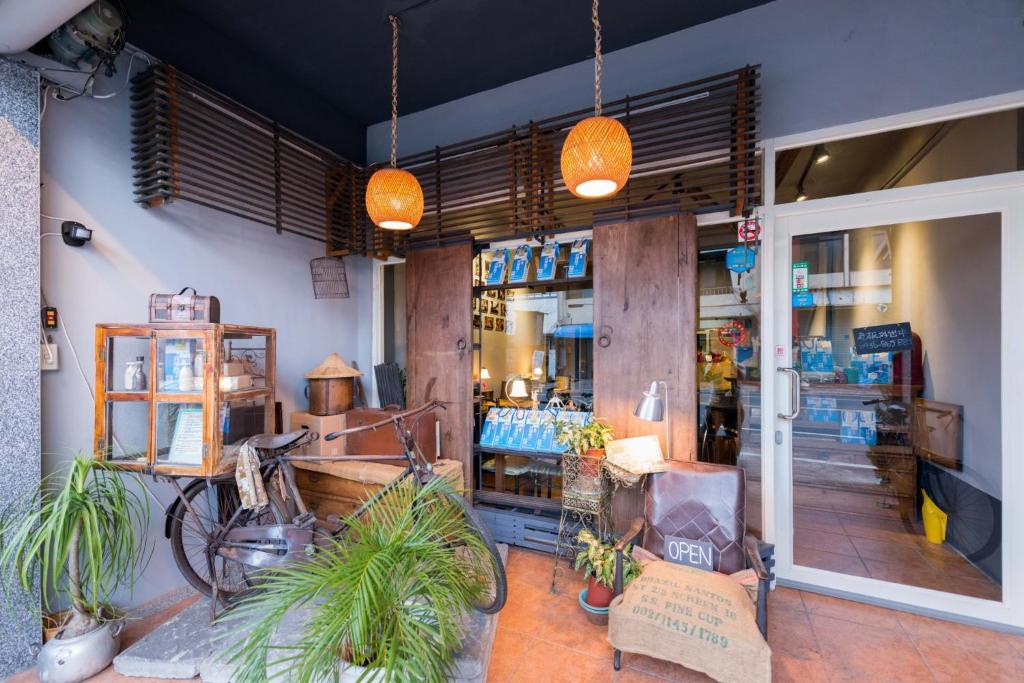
394 199
596 157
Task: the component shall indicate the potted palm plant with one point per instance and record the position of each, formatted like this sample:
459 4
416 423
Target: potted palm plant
80 539
585 440
597 560
385 603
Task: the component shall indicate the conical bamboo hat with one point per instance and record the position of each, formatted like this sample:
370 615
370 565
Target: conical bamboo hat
332 367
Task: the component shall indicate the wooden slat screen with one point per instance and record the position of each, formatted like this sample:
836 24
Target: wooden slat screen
694 149
191 143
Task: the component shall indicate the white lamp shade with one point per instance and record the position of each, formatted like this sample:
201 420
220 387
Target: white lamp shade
518 389
484 374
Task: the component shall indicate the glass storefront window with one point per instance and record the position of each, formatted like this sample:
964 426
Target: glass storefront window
896 338
729 361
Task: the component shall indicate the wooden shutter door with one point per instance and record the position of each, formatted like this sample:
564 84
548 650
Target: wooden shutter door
439 336
645 328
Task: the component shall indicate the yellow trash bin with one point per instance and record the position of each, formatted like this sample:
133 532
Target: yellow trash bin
934 520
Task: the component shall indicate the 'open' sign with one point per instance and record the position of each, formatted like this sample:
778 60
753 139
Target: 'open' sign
699 554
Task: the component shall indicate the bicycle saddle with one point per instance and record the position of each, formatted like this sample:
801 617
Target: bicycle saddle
272 442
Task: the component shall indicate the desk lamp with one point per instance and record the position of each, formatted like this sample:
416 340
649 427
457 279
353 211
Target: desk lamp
652 408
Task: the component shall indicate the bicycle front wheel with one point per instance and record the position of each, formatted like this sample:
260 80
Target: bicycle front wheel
496 591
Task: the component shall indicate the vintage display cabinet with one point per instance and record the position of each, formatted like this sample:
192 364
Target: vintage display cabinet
179 398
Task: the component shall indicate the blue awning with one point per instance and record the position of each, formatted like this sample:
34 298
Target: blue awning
583 331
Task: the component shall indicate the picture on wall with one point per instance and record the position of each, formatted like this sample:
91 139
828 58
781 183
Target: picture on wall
488 322
499 324
501 310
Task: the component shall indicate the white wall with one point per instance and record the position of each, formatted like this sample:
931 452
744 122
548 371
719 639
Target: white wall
824 63
260 278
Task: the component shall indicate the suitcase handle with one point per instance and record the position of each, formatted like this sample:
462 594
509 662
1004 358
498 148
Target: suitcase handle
185 289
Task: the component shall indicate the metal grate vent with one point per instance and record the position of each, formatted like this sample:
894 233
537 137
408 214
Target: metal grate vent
329 278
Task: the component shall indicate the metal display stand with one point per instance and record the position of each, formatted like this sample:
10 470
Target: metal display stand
586 503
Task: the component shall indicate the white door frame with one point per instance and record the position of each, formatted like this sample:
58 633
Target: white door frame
950 198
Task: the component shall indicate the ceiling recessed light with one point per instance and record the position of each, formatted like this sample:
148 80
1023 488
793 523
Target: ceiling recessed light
821 154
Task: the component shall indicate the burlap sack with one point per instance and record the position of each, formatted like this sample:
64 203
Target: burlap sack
701 620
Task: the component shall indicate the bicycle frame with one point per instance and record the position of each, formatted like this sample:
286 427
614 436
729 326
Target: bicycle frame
291 540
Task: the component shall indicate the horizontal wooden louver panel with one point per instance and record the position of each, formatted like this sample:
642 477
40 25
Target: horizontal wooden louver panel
694 149
191 143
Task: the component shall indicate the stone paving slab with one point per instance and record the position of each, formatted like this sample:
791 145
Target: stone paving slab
188 645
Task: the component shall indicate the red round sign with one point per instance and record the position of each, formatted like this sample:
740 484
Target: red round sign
732 333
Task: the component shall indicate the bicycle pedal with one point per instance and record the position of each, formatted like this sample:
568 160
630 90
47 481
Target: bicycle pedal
305 521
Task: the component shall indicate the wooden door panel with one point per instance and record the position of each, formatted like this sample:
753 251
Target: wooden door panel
439 334
645 329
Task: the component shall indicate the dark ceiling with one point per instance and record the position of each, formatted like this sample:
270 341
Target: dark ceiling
322 67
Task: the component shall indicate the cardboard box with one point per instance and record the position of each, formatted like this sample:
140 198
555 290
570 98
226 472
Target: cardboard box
322 424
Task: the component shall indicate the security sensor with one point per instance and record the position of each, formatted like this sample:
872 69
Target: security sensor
75 234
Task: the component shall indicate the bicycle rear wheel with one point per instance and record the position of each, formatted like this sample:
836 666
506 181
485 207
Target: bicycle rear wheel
214 503
496 592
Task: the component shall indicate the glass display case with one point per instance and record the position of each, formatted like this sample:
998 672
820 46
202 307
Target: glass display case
179 399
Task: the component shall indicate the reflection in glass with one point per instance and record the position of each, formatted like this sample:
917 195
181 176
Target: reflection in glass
897 341
180 365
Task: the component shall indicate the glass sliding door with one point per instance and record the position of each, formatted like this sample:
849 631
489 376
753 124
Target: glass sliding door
896 351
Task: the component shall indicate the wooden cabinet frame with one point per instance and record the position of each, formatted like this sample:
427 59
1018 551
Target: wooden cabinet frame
210 396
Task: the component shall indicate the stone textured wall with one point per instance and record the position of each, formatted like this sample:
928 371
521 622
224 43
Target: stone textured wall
19 324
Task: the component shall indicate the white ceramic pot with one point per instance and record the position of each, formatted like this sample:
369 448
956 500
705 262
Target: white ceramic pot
70 660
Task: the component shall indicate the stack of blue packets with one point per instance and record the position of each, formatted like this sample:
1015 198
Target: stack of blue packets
524 429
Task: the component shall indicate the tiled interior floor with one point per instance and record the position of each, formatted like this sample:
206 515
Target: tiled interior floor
858 535
544 637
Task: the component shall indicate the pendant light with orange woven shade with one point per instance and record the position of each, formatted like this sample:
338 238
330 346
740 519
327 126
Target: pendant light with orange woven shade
394 198
597 154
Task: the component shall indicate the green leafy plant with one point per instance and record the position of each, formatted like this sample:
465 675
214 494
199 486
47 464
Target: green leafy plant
390 597
597 559
85 538
582 438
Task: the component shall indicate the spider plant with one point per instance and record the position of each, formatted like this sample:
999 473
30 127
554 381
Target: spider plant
80 539
389 597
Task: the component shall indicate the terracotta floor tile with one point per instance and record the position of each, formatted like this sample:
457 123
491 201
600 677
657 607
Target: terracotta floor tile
793 670
783 598
804 518
865 526
852 652
825 540
833 562
847 610
790 635
526 609
950 660
904 551
634 676
509 650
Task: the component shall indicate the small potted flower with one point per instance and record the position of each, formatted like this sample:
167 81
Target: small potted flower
587 441
597 560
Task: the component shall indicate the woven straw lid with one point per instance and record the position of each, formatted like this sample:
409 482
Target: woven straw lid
332 367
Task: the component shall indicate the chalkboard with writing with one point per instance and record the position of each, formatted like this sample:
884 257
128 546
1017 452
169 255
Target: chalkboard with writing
883 338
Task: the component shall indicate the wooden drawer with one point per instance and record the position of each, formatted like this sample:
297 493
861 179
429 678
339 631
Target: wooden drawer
318 482
324 505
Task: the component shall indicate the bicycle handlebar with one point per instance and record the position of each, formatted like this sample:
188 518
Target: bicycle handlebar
430 405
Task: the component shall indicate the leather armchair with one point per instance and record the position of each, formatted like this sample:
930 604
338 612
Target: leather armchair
701 502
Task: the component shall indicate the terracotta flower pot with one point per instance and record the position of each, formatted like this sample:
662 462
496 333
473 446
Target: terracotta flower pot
598 594
590 463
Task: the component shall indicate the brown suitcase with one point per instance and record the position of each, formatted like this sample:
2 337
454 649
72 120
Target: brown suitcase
183 308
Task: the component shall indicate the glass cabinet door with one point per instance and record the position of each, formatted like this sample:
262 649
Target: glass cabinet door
181 363
123 389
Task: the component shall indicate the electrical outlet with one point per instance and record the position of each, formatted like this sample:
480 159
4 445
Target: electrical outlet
48 357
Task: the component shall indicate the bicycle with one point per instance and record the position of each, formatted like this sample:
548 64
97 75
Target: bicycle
220 547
